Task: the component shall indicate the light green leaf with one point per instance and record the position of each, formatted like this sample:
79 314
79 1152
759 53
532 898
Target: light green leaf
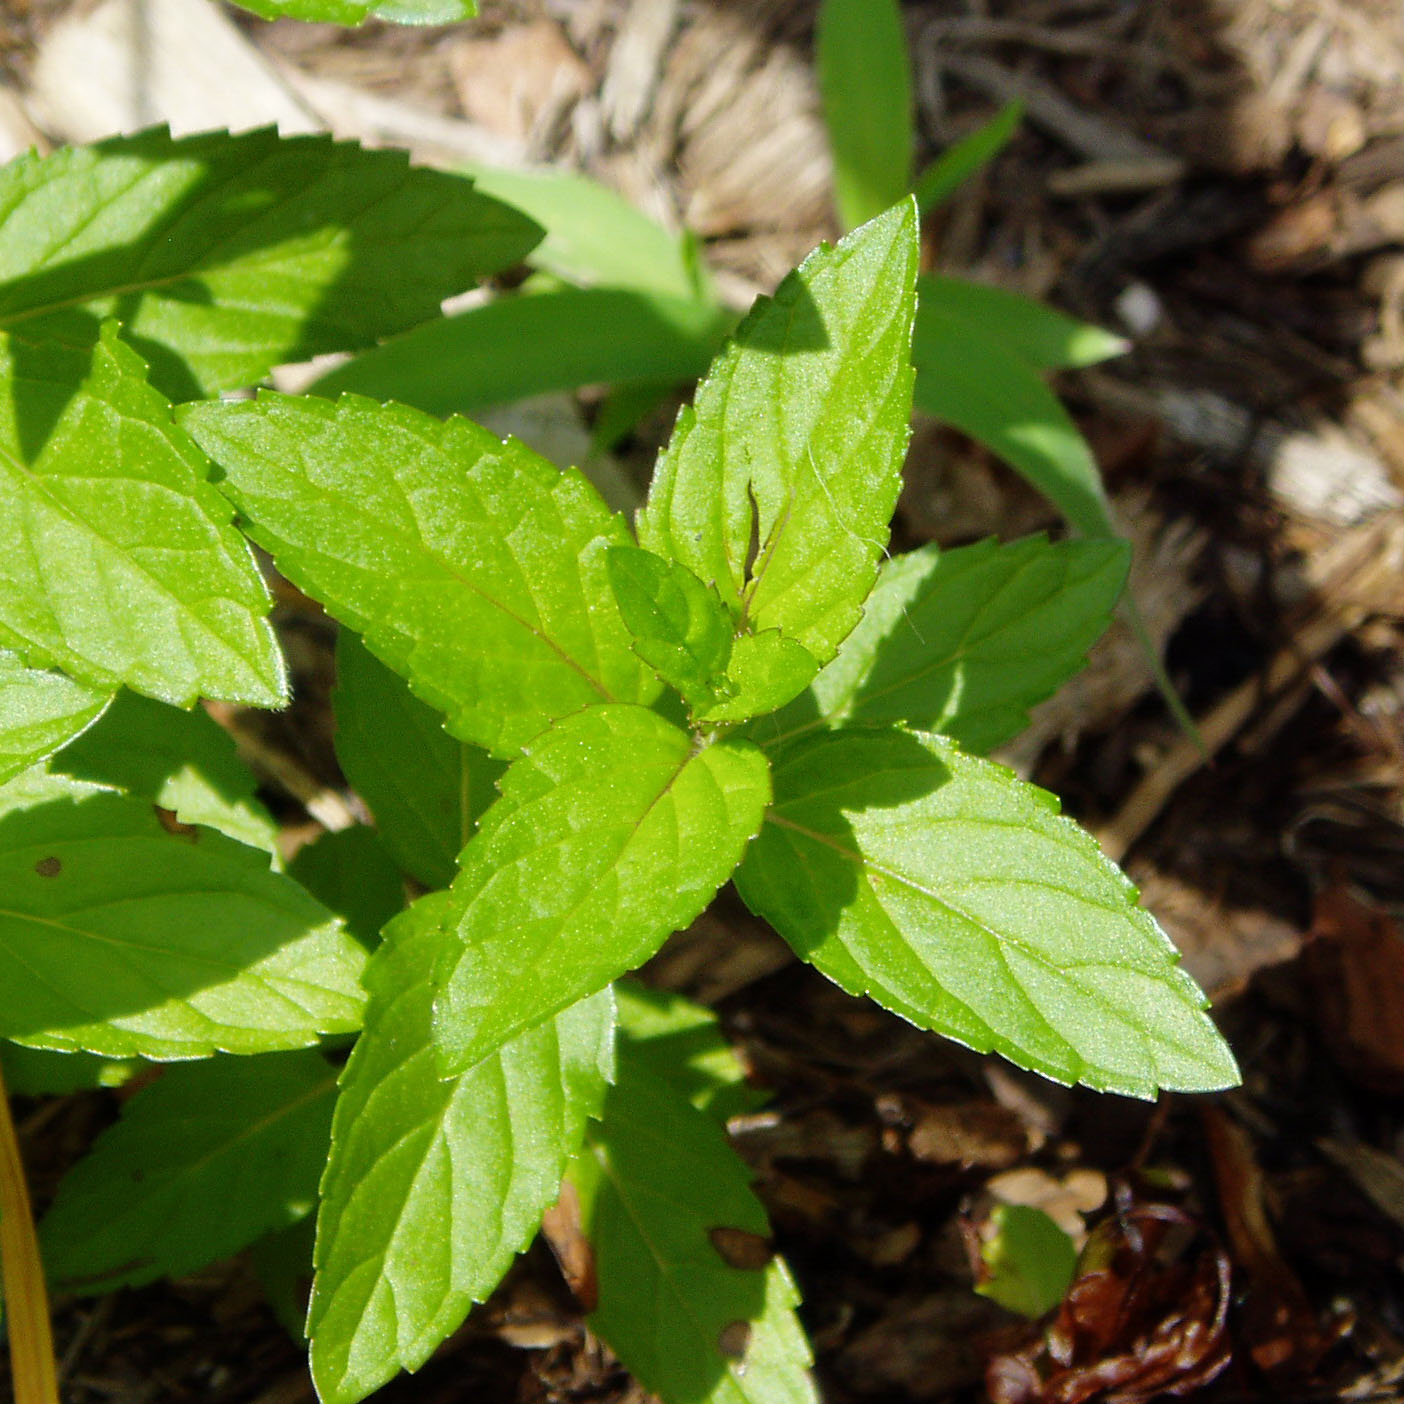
682 1043
39 712
434 1185
681 628
352 12
955 165
1029 1261
184 761
865 84
224 256
425 789
778 484
984 389
613 831
351 873
122 938
595 237
956 895
246 1136
1045 338
120 562
765 672
534 344
471 566
964 642
663 1196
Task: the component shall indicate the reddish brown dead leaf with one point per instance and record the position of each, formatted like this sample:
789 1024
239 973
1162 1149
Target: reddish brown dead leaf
1144 1318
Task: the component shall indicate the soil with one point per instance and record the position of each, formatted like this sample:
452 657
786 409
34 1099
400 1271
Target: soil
1224 184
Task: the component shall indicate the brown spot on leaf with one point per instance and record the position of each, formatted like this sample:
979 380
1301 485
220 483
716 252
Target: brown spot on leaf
48 867
740 1248
174 825
733 1338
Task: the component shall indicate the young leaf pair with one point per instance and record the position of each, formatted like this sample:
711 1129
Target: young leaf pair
650 703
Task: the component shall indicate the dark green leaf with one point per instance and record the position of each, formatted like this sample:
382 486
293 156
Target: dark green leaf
683 1044
663 1196
124 938
595 237
955 165
352 874
39 712
184 761
38 1072
956 895
993 394
425 789
433 1185
532 344
1046 339
963 642
471 566
681 628
613 831
778 485
121 563
205 1160
224 256
865 83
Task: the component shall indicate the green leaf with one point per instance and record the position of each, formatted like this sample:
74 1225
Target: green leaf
1029 1261
434 1185
1046 339
993 394
964 642
121 563
352 12
765 672
125 939
37 1072
865 84
663 1196
955 165
956 895
426 790
534 344
39 712
282 1262
352 874
681 628
613 831
595 237
682 1042
225 256
778 484
471 566
248 1136
184 761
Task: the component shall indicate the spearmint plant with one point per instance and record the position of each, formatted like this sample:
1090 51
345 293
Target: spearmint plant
571 731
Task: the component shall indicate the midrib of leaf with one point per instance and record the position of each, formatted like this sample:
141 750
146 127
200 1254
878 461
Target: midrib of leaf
998 939
665 1271
381 529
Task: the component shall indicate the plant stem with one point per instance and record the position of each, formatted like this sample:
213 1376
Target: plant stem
26 1301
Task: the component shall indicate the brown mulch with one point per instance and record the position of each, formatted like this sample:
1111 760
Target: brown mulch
1222 180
